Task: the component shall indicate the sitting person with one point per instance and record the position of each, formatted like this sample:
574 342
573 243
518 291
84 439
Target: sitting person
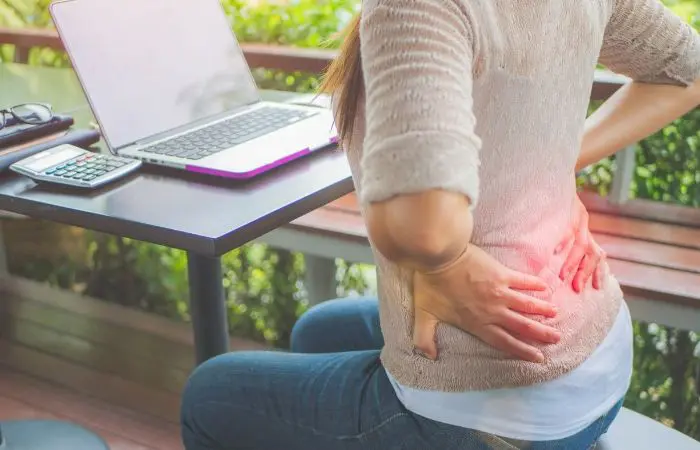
498 324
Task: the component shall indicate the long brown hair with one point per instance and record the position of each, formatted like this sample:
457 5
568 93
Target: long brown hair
343 79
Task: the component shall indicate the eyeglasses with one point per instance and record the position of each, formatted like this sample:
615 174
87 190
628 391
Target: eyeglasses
29 113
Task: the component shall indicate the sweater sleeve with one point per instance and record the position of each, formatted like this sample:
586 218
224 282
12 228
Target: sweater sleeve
417 63
647 42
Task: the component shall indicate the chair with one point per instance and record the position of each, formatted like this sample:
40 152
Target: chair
633 431
47 435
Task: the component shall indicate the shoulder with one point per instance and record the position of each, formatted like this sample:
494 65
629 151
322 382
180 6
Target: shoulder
450 19
462 10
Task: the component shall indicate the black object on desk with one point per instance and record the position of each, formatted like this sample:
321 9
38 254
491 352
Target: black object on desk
15 132
206 217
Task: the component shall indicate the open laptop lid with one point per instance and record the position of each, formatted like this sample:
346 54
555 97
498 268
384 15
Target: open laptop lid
150 66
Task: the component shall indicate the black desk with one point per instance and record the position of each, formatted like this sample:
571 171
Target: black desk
205 216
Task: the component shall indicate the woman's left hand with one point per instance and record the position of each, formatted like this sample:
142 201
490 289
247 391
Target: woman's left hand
586 259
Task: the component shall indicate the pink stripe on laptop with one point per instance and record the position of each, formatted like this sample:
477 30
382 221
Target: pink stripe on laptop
252 173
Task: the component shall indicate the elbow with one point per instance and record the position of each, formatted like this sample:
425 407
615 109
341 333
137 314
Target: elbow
423 230
425 246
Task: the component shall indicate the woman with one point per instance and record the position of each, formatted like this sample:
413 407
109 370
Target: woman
464 122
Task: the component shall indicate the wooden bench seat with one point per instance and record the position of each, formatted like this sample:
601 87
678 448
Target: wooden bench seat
657 263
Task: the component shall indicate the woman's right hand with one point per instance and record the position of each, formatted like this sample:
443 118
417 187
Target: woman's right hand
481 296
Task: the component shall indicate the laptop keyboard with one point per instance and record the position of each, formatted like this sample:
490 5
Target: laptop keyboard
228 133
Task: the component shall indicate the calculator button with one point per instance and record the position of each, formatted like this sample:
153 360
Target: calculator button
89 177
69 174
99 173
59 173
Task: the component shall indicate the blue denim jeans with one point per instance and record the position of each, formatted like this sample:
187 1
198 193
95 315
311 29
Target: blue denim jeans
330 393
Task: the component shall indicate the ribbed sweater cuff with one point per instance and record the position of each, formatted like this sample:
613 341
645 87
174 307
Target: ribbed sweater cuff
413 163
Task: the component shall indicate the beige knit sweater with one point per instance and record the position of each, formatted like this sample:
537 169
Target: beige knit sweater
489 98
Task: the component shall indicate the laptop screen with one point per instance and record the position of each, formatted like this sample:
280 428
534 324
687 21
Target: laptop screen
150 66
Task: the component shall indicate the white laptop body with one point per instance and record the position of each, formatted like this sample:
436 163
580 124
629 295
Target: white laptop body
169 85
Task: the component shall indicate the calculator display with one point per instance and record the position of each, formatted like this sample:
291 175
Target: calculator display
51 160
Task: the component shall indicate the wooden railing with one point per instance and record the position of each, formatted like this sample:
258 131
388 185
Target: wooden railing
290 59
276 57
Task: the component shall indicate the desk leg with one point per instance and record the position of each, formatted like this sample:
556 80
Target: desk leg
3 255
207 306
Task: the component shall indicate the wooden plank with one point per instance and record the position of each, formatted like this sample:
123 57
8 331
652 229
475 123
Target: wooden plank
650 253
109 388
643 209
110 313
347 203
657 284
288 59
103 358
678 235
31 37
114 338
29 398
278 57
11 409
333 223
310 242
3 252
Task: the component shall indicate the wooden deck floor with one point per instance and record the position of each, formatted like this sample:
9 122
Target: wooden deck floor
25 397
116 371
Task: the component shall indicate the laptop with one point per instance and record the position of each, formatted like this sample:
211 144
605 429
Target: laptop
169 85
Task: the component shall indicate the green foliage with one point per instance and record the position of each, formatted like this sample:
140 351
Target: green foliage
300 23
264 286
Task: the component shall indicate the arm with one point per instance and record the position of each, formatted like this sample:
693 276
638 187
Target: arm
632 114
647 42
420 161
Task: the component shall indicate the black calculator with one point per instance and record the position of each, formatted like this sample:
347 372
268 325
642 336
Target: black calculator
73 166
